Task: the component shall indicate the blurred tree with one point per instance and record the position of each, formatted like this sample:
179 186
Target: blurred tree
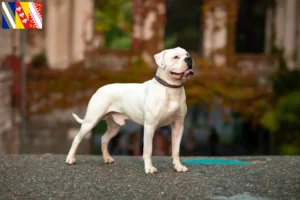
113 19
286 81
283 120
288 116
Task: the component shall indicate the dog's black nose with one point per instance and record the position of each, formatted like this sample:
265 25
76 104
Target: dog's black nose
188 59
189 62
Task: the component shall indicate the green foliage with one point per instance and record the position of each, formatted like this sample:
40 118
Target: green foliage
261 103
113 19
170 41
285 81
121 43
288 109
290 149
39 60
269 121
284 122
137 62
103 23
284 119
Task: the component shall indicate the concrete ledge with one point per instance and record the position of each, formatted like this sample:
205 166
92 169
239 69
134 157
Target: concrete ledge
47 176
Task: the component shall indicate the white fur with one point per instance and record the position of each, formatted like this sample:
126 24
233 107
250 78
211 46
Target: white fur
77 118
149 104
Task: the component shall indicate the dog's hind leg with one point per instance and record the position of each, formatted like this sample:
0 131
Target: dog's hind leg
86 127
112 130
93 115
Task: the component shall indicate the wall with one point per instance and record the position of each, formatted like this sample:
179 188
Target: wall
68 30
8 136
54 132
285 25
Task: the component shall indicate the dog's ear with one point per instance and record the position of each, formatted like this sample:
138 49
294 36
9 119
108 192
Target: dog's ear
160 60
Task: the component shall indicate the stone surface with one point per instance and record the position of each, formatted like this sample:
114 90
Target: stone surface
47 176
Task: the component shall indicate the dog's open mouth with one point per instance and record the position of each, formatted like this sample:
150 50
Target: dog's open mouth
186 73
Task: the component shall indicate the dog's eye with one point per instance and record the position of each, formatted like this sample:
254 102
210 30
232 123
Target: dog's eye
176 57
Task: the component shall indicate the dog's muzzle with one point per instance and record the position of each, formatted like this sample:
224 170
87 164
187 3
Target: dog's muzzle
188 72
189 62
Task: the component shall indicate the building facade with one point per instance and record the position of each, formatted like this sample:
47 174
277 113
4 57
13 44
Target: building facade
68 33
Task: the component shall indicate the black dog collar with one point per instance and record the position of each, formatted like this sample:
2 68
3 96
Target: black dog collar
164 83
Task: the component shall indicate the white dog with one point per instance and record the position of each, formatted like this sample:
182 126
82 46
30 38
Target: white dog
154 103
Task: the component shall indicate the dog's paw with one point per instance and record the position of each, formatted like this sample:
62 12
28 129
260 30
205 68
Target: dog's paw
150 170
109 160
70 160
180 168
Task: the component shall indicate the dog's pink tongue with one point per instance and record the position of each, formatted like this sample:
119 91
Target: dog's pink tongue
188 72
176 75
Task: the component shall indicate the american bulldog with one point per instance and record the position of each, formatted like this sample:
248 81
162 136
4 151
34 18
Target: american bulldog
157 102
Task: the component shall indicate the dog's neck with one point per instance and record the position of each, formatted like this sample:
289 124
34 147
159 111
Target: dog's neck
166 78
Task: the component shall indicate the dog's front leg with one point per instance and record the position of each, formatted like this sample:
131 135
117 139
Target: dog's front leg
177 131
148 141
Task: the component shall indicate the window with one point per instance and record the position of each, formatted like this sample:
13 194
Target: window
183 24
250 30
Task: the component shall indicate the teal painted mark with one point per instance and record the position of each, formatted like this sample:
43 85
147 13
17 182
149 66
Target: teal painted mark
214 162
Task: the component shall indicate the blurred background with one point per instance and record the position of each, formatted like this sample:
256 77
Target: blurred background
243 100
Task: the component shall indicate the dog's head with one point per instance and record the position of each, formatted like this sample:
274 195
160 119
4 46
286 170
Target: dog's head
176 63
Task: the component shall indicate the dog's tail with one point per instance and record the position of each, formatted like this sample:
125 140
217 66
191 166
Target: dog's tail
77 118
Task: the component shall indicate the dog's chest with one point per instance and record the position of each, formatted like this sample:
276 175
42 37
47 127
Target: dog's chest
171 107
167 110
